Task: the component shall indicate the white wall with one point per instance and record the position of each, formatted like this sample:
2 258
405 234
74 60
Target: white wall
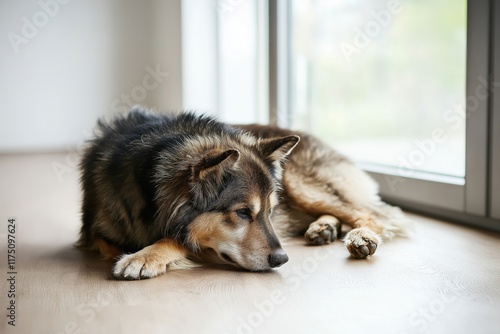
64 63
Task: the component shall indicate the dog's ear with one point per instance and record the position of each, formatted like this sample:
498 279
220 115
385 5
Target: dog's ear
277 149
207 175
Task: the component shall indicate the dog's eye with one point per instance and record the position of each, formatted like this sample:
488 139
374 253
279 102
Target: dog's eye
244 213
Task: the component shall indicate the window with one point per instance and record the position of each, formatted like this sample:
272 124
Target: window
225 59
371 74
406 89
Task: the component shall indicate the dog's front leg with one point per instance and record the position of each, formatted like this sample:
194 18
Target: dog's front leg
156 259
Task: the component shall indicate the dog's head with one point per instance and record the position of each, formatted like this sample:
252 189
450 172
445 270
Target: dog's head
236 190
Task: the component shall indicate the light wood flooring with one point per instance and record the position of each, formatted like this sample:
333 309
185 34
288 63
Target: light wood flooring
443 279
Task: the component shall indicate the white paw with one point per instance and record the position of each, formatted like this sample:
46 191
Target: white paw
139 265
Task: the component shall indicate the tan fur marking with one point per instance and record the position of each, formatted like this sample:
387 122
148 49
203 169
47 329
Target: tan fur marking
203 231
273 199
254 238
107 250
365 220
318 202
255 202
244 242
153 260
313 200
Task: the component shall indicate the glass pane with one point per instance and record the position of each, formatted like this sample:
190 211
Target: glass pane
383 81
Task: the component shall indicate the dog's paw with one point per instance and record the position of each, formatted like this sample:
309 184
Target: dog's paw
321 232
139 265
362 242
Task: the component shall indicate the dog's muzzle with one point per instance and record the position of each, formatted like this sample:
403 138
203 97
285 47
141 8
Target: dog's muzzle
277 258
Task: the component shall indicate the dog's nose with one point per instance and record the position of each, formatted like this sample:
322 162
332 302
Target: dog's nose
277 258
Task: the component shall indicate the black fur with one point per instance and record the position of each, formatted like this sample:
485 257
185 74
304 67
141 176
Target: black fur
147 176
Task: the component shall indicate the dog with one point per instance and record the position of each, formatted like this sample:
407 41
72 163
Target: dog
169 191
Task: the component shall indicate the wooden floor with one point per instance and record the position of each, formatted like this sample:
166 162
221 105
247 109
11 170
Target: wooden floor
444 279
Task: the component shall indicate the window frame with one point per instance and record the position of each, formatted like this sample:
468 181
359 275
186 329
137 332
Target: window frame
474 199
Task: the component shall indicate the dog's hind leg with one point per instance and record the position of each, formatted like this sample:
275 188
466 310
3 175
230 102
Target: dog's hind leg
324 230
351 202
153 260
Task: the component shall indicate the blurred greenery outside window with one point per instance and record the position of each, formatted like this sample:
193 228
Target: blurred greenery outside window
384 82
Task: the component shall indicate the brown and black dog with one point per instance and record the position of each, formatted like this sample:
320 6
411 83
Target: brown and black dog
166 191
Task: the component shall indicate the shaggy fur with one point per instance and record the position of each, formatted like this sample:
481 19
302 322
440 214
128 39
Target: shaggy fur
165 191
323 189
